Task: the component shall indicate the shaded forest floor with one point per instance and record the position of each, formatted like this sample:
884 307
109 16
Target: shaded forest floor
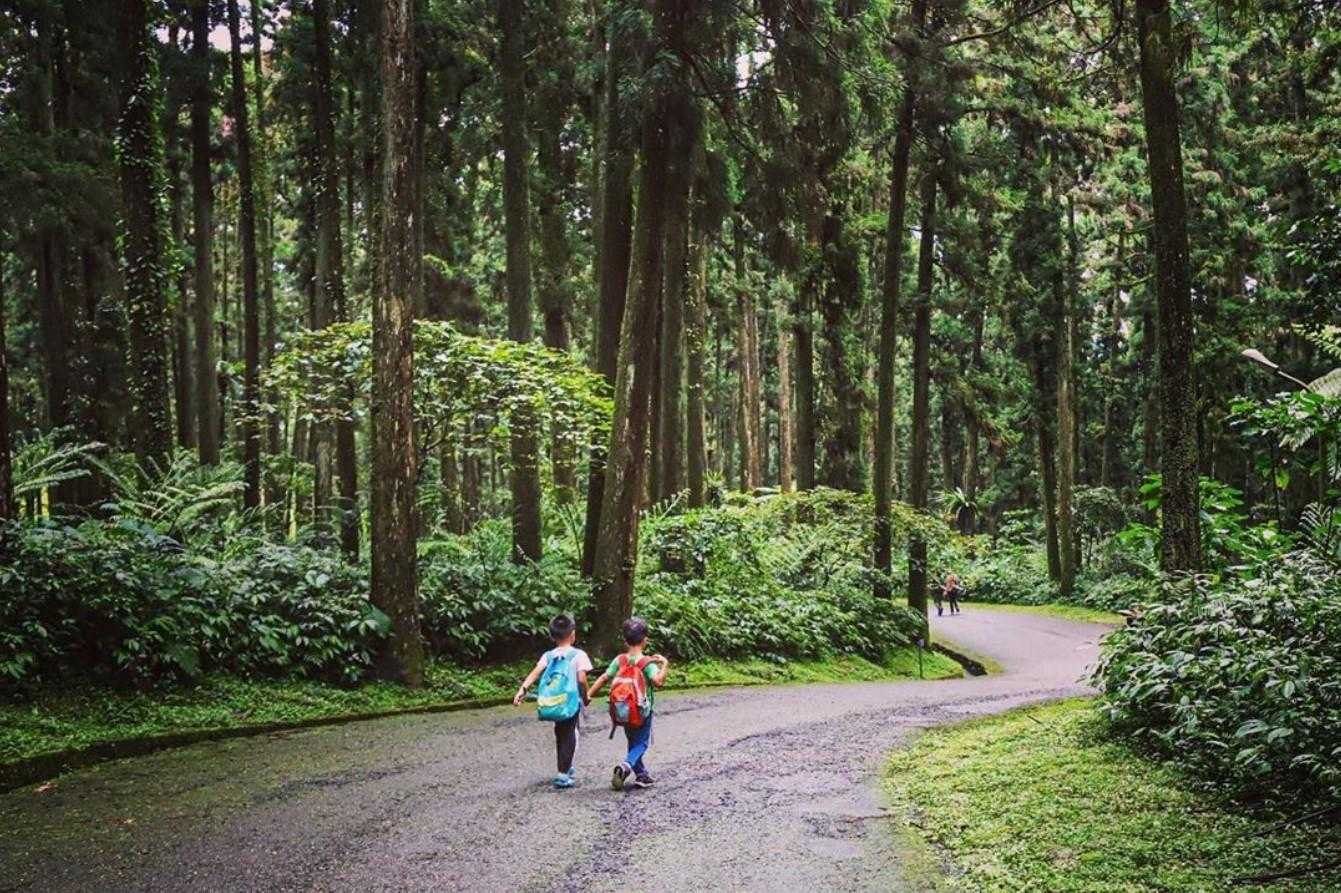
1039 799
65 717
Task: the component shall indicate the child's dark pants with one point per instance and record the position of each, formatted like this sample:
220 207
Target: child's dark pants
565 741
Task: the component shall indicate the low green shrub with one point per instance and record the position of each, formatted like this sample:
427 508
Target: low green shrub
121 602
475 602
1015 574
1238 677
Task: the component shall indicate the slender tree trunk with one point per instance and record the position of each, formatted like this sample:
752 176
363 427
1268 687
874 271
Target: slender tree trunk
265 180
9 509
668 135
889 325
968 516
526 532
804 331
786 436
140 158
202 235
616 241
1066 423
1044 401
670 435
394 577
696 336
51 250
842 299
747 365
1109 474
1180 548
251 395
182 391
919 452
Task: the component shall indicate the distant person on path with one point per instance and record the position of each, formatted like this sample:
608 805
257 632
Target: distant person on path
952 590
562 672
634 678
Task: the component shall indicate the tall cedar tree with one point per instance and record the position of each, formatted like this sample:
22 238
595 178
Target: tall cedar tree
140 158
182 396
919 450
336 457
394 460
747 366
526 530
1066 413
786 437
889 319
668 134
616 237
8 509
695 337
208 420
671 419
1180 546
251 319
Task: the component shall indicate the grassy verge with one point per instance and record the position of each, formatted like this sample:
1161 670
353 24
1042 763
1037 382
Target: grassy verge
59 719
1078 613
1038 800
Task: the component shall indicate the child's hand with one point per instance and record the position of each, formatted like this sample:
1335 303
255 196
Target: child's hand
660 659
517 698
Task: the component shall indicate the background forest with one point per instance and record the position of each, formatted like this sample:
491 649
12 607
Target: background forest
335 333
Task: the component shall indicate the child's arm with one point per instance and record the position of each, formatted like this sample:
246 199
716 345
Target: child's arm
582 686
530 679
663 665
596 686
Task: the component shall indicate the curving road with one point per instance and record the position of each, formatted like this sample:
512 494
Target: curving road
771 788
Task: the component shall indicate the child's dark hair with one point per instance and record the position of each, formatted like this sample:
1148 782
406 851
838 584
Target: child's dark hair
635 631
561 626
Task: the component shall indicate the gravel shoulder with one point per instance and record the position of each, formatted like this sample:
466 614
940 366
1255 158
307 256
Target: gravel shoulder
758 788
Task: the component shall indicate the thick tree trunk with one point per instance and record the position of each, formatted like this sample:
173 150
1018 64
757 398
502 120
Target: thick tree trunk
526 532
747 367
202 236
919 449
1066 424
786 436
842 298
553 281
696 336
251 324
1180 547
140 158
394 577
50 251
670 433
616 236
883 484
668 135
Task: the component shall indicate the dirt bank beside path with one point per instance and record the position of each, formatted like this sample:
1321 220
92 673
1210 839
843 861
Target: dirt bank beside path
759 788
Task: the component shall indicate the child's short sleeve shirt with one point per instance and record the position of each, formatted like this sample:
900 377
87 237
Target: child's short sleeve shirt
580 663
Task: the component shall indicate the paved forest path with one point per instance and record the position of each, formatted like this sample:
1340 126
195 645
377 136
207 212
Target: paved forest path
770 788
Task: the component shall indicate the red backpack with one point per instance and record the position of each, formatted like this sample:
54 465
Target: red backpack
628 694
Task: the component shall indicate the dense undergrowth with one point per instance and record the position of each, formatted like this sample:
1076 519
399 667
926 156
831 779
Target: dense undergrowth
124 602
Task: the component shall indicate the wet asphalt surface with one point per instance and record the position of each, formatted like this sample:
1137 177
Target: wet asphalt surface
770 788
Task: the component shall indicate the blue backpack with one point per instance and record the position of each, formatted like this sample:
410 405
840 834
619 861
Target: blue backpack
557 698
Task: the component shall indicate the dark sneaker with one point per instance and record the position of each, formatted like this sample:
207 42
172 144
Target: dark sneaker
620 775
643 781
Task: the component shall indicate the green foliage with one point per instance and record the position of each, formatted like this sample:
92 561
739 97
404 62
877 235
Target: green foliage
1037 799
123 603
783 576
475 602
48 460
1239 678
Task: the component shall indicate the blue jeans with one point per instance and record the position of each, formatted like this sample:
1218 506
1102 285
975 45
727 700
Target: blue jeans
639 740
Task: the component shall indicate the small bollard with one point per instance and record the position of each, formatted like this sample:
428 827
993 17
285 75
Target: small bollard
921 643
